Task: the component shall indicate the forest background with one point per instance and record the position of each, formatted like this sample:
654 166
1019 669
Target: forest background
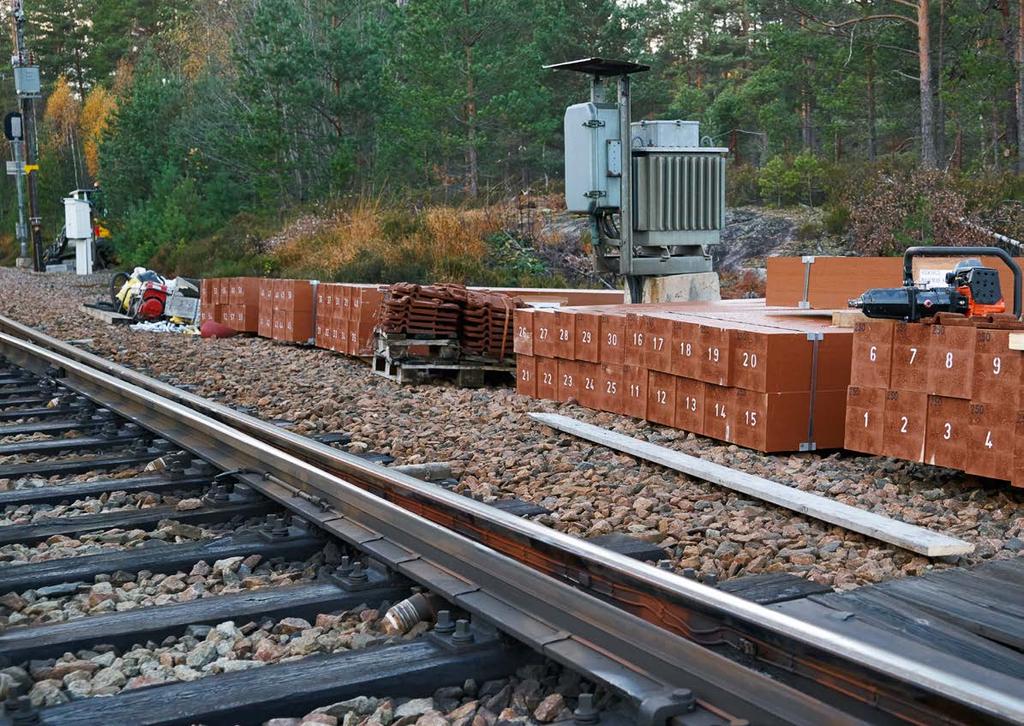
377 140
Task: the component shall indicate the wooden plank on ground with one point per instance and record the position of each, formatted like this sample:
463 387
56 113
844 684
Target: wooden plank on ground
773 587
1010 572
107 316
875 607
964 610
885 638
910 537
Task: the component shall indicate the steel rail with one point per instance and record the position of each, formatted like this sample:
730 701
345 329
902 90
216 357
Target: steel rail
899 686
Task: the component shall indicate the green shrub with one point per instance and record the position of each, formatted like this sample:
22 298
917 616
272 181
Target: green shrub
836 219
779 182
808 231
808 170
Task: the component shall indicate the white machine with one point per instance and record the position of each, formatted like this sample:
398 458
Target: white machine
78 226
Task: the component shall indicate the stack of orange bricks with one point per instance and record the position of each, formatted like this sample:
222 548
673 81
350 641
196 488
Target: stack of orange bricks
286 310
232 301
945 393
346 317
734 370
333 316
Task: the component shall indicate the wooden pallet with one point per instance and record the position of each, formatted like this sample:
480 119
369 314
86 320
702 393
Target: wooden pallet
397 347
396 358
465 374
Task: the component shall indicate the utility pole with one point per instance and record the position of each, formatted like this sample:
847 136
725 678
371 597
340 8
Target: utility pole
28 87
17 139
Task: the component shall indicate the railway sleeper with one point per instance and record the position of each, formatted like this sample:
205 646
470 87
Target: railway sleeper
124 629
145 519
112 437
64 406
16 377
296 544
49 427
67 467
416 668
56 493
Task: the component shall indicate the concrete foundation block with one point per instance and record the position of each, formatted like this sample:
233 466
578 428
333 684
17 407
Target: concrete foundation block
702 286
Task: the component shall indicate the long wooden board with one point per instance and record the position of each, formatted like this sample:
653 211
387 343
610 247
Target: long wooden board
908 536
109 317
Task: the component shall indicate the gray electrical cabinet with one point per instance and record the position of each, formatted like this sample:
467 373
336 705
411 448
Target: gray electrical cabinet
655 196
592 135
27 82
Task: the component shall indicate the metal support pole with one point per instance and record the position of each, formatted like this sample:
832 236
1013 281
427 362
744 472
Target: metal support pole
29 133
626 197
21 232
35 221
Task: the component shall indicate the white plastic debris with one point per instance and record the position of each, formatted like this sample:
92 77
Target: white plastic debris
165 326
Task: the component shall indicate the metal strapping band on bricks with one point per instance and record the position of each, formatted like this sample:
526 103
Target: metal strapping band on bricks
815 339
805 304
509 311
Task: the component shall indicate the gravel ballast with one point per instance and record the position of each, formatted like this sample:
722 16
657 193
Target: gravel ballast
497 451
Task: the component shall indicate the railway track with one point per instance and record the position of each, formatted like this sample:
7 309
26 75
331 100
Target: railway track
335 533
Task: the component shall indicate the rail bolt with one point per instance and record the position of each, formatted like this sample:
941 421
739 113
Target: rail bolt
462 632
219 493
358 573
444 625
585 712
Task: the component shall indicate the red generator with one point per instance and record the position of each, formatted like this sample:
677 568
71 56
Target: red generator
150 301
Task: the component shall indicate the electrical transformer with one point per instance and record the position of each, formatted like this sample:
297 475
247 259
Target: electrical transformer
654 195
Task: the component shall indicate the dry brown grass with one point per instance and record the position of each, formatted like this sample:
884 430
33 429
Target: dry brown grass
328 243
442 238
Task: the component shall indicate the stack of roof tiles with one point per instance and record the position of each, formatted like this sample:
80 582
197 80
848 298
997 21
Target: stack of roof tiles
946 392
423 309
735 370
286 310
830 282
480 320
488 325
